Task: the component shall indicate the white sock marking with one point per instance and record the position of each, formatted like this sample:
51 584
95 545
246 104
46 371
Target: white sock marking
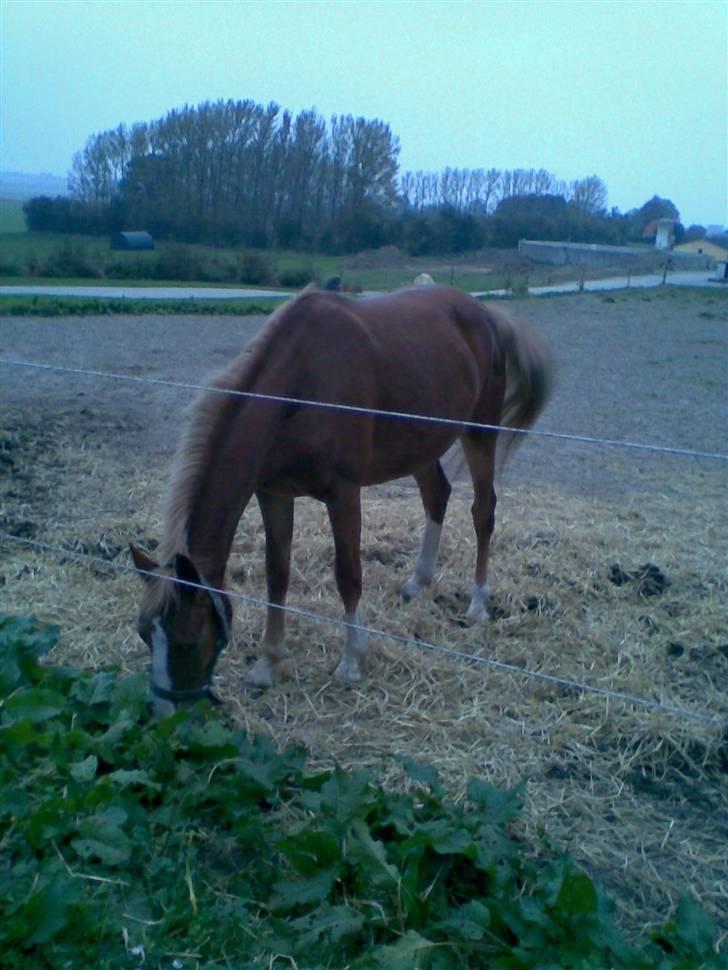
425 566
354 650
478 609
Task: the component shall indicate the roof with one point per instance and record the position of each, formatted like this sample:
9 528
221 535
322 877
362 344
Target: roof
132 240
703 247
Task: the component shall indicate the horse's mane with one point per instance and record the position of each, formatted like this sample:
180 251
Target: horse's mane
206 416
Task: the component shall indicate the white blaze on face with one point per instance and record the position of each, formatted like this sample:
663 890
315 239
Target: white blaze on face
160 671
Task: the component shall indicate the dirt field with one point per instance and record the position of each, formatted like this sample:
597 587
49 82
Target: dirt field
639 796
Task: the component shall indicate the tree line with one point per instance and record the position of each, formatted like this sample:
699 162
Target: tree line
242 173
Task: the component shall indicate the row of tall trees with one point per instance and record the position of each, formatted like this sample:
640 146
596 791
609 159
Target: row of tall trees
237 172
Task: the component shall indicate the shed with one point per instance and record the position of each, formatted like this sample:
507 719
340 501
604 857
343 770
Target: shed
703 247
132 241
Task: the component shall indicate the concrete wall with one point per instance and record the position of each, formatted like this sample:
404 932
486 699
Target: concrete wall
595 254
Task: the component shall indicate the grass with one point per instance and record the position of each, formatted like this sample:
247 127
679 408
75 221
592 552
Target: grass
79 306
48 257
12 218
130 840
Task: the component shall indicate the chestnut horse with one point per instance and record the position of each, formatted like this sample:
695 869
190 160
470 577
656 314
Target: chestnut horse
428 350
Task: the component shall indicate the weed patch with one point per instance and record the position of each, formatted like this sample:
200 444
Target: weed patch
187 840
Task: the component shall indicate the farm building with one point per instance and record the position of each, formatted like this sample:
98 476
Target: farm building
704 247
662 231
132 241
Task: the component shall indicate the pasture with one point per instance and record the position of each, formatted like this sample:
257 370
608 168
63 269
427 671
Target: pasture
68 258
12 218
637 795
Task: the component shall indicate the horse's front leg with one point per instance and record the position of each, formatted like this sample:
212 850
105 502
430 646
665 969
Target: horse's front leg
344 510
277 512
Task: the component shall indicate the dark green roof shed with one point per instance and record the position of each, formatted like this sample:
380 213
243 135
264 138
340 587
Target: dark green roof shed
132 240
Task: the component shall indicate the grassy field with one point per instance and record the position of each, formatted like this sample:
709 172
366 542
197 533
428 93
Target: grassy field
12 219
56 258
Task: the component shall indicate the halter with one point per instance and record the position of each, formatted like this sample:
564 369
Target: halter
198 693
193 693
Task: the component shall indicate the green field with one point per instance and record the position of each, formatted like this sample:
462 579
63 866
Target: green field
12 219
56 258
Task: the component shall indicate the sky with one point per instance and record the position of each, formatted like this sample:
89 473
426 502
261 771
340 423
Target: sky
634 92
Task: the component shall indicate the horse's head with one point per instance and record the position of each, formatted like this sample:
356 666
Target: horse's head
185 624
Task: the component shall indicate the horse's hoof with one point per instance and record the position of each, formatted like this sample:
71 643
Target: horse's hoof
478 609
347 673
260 675
411 589
478 615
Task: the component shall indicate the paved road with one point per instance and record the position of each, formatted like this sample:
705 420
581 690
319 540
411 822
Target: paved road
145 292
701 278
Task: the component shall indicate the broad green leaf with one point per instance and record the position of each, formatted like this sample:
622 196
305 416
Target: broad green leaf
94 689
329 923
85 770
115 852
694 926
132 778
309 850
468 922
501 806
10 675
25 634
35 704
289 893
15 736
422 773
408 953
370 854
47 912
130 696
101 837
577 895
13 802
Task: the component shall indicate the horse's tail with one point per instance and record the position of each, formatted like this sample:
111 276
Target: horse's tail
529 375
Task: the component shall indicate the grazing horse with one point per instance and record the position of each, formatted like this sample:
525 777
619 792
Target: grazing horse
429 350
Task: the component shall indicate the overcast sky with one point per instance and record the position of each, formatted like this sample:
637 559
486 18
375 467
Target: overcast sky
635 92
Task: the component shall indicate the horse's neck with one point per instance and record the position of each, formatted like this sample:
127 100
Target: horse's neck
213 498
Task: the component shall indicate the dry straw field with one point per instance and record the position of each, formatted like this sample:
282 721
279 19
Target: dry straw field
638 795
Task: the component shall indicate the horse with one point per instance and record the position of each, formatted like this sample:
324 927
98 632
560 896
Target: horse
373 364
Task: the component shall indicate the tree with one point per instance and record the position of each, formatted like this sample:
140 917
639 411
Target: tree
695 232
589 195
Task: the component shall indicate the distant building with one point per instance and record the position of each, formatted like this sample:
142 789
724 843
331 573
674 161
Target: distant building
132 241
703 247
661 230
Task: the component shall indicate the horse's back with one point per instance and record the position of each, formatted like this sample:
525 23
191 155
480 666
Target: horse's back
399 325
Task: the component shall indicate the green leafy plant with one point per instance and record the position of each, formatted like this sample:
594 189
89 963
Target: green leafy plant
186 839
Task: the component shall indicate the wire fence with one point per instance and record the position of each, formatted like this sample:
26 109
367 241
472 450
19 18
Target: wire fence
374 412
417 643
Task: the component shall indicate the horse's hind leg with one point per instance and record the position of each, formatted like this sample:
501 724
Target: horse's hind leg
344 509
479 448
435 492
277 512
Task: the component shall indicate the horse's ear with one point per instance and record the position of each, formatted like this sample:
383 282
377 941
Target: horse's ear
186 570
144 563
